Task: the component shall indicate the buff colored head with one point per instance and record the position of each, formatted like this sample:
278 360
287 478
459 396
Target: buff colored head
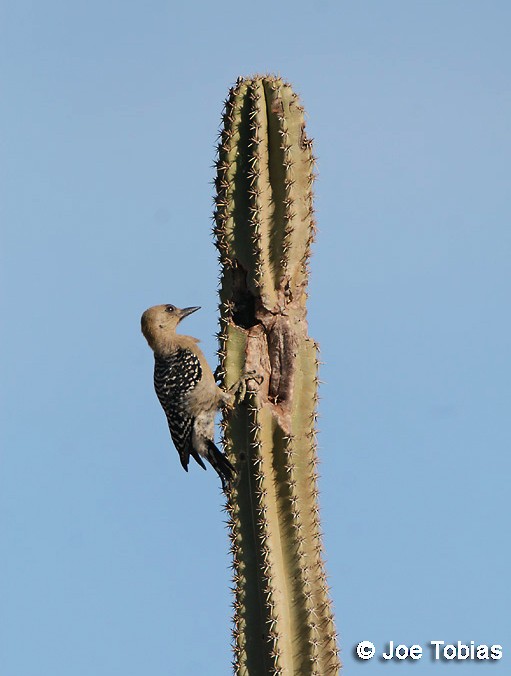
160 321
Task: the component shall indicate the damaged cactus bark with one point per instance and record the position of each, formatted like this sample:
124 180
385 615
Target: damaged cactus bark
264 228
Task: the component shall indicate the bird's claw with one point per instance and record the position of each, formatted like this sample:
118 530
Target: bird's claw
239 389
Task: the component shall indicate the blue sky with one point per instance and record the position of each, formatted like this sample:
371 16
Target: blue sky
112 559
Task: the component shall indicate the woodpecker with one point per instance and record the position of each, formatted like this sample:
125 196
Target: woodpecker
186 388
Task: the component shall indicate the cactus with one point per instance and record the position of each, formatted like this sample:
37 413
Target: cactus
264 227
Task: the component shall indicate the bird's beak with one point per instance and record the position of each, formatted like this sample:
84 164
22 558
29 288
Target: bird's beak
187 311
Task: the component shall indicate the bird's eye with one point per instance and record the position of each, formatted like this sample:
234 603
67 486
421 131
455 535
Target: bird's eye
170 308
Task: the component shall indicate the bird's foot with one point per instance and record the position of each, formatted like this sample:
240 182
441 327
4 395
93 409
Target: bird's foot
238 391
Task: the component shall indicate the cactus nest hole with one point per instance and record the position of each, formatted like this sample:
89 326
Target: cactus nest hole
244 302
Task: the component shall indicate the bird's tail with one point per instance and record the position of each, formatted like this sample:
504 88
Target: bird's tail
220 464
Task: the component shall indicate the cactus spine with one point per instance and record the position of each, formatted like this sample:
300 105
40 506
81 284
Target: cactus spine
264 227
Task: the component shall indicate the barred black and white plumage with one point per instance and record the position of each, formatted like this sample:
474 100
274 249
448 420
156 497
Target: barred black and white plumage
174 377
186 388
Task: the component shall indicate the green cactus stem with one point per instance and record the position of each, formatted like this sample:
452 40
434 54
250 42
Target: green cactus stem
264 228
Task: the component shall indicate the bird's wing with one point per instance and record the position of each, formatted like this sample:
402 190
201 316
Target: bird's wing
181 426
174 377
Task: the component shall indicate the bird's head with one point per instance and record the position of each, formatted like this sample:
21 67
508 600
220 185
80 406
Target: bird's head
159 323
